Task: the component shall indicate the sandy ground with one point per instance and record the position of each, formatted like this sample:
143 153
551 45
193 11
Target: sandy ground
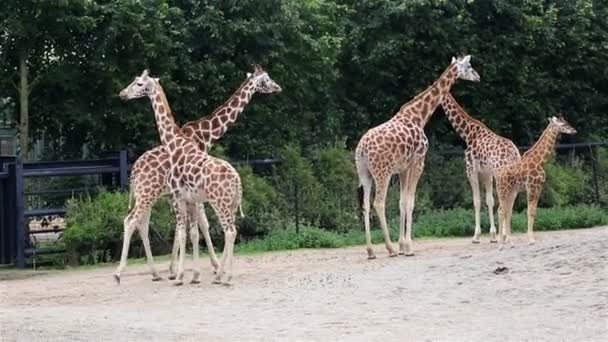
555 290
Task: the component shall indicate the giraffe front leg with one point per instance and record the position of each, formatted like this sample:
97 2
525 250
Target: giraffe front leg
145 238
488 185
414 176
204 226
533 196
129 224
474 181
174 256
181 215
194 238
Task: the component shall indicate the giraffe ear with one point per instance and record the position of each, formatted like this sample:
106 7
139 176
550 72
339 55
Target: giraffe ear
156 79
249 75
453 59
467 59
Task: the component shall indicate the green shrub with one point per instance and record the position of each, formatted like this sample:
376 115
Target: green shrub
94 226
335 171
566 185
263 207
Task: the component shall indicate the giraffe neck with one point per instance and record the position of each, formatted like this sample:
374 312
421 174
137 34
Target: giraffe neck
421 107
543 148
467 127
165 122
211 128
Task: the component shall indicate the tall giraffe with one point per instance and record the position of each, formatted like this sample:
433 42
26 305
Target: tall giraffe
486 152
527 174
150 170
399 146
193 178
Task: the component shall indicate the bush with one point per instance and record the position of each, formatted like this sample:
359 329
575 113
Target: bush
566 185
94 226
263 206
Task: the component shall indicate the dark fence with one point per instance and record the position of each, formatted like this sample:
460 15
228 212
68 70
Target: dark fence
15 244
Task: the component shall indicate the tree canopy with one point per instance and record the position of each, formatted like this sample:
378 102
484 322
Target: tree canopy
344 66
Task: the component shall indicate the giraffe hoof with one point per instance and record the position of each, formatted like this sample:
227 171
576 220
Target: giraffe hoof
371 257
195 281
178 283
409 254
475 242
216 281
531 243
392 254
172 276
227 284
157 278
494 241
401 253
117 279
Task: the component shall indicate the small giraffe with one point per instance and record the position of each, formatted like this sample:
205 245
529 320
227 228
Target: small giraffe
527 174
486 152
150 170
399 146
193 178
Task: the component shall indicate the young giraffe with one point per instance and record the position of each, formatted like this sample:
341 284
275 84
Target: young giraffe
486 152
149 173
193 178
527 174
399 146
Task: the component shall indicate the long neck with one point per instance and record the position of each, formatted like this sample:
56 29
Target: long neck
165 122
543 148
421 107
467 127
209 129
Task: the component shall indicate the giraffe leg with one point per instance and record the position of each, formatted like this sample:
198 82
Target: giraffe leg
129 225
474 181
227 221
367 189
488 181
508 213
533 196
145 238
204 226
415 172
379 205
174 256
181 218
403 182
194 238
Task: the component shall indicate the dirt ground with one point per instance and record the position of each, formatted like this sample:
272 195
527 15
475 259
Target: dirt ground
554 290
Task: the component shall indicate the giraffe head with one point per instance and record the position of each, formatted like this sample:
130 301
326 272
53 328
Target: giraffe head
262 83
561 125
142 85
464 68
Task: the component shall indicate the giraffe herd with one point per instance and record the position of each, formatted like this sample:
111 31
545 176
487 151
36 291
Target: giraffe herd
182 168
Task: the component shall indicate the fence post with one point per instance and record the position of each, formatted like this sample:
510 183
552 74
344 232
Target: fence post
296 195
596 187
16 173
124 166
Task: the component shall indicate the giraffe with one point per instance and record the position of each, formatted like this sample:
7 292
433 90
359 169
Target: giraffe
148 175
486 152
399 146
527 174
193 177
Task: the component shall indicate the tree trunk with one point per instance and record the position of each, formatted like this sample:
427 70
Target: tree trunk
24 93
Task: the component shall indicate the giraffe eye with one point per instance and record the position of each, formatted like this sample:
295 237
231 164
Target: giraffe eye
139 84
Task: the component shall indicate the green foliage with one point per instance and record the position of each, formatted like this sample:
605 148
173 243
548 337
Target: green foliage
567 185
94 226
437 223
263 207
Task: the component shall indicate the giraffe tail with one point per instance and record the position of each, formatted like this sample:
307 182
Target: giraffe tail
130 200
360 198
